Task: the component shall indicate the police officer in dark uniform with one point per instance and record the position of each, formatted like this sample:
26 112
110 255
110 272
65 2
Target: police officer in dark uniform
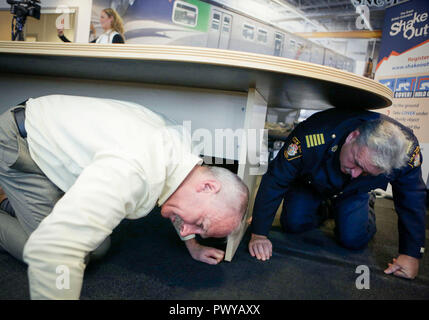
340 156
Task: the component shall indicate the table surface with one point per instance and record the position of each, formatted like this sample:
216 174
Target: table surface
284 83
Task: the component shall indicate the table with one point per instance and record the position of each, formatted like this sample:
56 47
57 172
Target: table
250 82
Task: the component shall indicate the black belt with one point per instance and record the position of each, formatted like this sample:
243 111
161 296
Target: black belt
19 115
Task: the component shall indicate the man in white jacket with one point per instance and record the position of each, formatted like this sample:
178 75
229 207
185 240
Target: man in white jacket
74 167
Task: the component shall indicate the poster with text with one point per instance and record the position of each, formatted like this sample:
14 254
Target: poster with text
404 68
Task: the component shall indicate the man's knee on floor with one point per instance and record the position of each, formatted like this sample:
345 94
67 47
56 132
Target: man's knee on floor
354 241
295 225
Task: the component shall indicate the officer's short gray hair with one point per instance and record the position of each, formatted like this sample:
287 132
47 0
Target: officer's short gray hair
387 142
234 194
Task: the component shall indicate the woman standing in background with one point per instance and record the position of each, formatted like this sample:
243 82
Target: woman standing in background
112 25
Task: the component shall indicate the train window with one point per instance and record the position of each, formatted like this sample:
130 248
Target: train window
226 24
278 43
215 21
185 14
248 31
262 35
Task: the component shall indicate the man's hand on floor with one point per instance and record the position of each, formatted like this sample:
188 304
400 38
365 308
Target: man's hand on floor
204 254
404 266
260 247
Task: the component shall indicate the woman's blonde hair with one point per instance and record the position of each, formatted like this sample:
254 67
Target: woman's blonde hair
117 23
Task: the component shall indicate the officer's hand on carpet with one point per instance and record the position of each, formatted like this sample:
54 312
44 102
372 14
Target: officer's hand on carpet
204 254
404 266
261 247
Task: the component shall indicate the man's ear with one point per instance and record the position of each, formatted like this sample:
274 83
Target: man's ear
352 136
211 186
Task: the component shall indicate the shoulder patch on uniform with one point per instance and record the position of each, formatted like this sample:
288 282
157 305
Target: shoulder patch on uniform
314 140
415 160
293 151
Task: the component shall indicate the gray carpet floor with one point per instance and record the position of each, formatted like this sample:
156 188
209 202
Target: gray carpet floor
148 261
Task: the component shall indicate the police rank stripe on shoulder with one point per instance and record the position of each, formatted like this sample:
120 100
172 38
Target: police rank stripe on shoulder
314 140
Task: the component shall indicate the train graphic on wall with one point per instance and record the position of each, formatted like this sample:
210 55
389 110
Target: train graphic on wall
210 24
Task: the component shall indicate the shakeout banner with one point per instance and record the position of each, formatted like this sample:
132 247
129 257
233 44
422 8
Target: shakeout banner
404 68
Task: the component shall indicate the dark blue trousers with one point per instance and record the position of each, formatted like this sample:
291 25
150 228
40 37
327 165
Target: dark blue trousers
354 221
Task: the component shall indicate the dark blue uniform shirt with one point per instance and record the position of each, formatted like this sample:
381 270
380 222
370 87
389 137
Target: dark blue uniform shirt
310 156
